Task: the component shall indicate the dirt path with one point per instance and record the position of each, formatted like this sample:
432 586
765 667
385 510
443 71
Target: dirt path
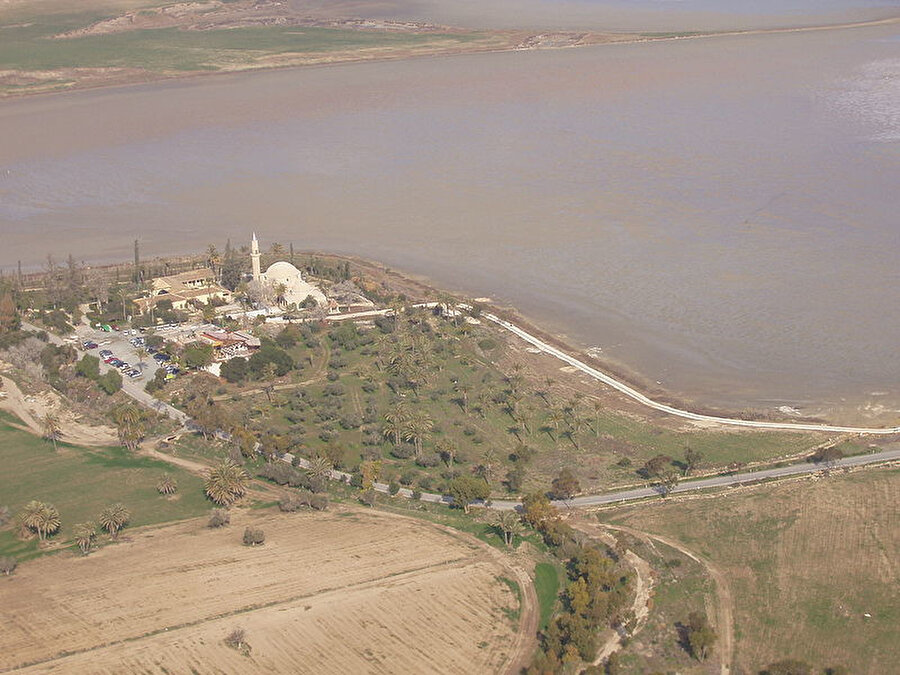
725 601
71 430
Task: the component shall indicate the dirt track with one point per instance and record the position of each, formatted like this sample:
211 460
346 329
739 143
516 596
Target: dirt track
327 593
71 430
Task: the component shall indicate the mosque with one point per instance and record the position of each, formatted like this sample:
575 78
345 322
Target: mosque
284 274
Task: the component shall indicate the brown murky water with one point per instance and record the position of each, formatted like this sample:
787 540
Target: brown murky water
720 215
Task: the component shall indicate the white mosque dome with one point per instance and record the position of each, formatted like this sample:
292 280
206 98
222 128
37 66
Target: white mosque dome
280 271
296 289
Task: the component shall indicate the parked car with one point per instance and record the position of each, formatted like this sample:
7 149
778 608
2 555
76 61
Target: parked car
114 362
105 354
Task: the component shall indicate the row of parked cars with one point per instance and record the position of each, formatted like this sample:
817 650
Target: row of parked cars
125 367
164 360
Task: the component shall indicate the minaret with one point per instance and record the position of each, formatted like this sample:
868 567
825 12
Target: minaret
254 257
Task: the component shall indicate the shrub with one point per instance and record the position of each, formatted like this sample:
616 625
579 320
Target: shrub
417 495
431 459
393 488
8 565
219 518
369 497
234 370
253 536
88 367
403 451
487 344
237 639
318 502
110 382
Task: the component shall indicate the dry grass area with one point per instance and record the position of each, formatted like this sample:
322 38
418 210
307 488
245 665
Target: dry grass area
811 565
342 592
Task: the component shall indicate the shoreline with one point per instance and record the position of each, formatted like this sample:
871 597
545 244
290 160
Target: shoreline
615 376
662 400
603 39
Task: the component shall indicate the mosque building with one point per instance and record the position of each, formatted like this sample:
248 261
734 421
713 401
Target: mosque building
283 276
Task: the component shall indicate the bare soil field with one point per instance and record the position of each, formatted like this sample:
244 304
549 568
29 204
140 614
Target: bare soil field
350 591
811 566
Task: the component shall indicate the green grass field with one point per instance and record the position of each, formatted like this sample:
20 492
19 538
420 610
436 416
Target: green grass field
81 482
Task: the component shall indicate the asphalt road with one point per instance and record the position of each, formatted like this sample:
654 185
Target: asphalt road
718 481
122 348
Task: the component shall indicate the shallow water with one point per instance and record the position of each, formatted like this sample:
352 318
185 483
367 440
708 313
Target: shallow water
718 214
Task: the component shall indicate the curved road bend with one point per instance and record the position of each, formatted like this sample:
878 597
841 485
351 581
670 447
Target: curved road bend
650 403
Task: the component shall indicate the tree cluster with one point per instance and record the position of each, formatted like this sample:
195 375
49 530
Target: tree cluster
595 596
699 637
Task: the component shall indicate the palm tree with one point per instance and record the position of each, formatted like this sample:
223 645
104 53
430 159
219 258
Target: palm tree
319 467
141 353
463 389
417 429
113 518
226 483
509 524
280 292
40 517
484 399
51 428
395 420
488 466
84 534
556 417
447 450
167 485
129 423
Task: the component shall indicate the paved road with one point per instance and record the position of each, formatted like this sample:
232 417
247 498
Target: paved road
119 344
650 403
718 481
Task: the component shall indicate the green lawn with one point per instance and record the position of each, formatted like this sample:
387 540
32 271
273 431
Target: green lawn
81 482
546 585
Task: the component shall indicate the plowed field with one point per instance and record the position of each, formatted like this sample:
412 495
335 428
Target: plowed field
348 592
